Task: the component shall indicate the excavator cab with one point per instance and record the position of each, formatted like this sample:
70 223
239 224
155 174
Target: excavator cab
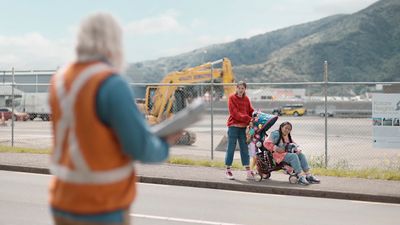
157 111
180 101
149 100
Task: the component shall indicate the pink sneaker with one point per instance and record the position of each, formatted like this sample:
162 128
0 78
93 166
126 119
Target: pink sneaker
250 175
229 175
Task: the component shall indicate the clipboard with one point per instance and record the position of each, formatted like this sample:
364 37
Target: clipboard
184 118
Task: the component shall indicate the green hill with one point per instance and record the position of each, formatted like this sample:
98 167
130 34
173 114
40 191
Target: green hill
364 46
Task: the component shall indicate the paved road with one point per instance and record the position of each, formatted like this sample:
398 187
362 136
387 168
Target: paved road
23 200
349 140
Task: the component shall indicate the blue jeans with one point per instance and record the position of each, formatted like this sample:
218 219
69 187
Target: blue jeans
297 161
117 217
237 134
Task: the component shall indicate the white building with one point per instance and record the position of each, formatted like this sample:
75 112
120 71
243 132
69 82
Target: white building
264 94
6 94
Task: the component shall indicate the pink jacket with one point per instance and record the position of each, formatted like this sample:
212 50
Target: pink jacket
269 144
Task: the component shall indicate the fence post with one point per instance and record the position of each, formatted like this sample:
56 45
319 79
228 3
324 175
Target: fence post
12 108
36 82
212 112
326 111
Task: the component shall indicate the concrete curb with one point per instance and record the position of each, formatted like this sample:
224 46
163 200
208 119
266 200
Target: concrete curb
271 190
24 169
238 187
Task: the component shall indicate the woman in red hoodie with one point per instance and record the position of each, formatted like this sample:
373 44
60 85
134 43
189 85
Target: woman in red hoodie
240 111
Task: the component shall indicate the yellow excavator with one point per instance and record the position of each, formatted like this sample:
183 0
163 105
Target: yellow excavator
165 100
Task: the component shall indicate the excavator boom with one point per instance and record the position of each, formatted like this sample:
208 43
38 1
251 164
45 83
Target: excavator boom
163 101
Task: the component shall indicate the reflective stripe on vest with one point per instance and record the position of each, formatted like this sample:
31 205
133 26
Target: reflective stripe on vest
82 173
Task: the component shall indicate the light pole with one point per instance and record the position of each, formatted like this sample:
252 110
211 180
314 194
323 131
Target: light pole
204 56
211 107
202 62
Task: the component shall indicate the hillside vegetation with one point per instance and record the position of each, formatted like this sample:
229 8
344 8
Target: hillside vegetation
364 46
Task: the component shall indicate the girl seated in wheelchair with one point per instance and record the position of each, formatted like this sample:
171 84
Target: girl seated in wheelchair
284 149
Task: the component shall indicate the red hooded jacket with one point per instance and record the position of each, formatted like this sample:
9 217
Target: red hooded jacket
240 111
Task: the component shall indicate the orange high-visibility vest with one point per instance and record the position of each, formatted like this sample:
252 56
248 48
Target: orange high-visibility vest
91 173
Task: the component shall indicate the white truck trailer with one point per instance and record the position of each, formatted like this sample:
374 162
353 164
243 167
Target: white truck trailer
36 105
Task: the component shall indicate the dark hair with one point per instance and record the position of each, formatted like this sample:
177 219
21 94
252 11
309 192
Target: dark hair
241 83
280 132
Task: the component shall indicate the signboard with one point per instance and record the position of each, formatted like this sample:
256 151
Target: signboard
385 120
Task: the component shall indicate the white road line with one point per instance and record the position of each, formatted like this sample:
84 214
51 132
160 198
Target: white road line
180 219
376 203
26 173
255 193
222 190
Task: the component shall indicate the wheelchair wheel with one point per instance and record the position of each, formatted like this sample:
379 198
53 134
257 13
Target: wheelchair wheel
293 179
257 177
266 176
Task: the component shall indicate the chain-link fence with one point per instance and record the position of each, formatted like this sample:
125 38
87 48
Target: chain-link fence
23 105
335 129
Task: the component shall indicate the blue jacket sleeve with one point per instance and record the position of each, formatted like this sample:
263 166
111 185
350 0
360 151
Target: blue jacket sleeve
274 136
116 108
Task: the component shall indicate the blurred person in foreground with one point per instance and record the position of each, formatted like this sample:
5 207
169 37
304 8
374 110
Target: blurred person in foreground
98 131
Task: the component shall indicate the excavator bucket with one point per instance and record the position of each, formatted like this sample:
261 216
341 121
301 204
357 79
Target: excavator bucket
223 144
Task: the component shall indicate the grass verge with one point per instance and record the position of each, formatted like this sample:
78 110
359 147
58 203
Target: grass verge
23 150
368 173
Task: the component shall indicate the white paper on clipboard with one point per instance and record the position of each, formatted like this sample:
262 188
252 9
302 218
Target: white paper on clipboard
184 118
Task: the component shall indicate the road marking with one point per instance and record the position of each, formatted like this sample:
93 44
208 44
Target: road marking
222 190
26 173
376 203
255 193
180 219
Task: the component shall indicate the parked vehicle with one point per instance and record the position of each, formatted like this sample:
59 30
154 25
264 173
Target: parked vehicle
290 109
35 105
17 116
330 110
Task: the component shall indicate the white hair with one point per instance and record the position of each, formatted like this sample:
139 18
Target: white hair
100 38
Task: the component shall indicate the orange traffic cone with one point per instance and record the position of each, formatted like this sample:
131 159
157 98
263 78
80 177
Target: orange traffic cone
3 121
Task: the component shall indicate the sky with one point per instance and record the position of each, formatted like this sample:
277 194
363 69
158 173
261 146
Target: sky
41 34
